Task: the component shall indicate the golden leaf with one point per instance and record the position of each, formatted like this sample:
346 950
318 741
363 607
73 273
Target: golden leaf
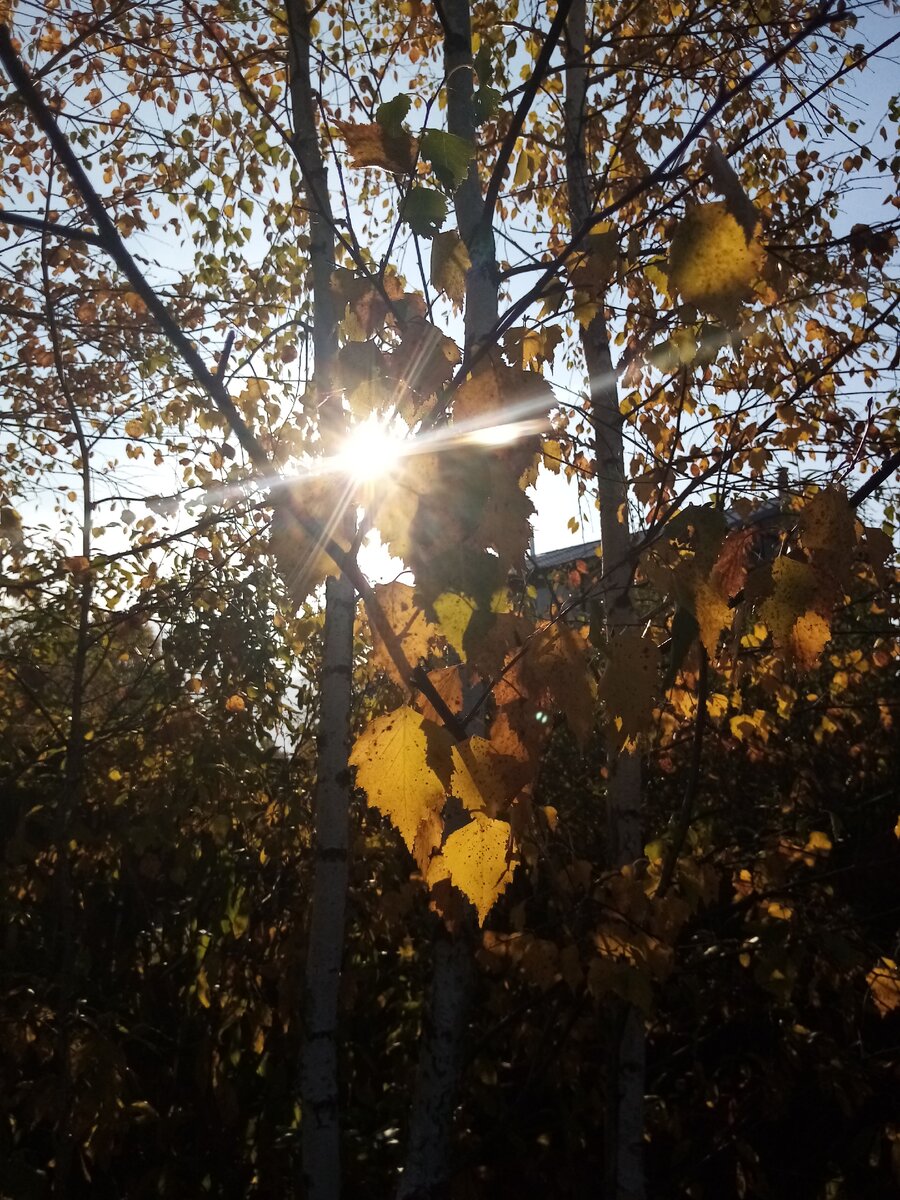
373 146
712 261
450 265
301 557
494 390
713 615
403 764
828 532
809 637
413 629
479 860
447 682
884 984
794 612
484 779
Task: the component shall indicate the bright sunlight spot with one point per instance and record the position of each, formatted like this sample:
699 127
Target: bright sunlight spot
370 451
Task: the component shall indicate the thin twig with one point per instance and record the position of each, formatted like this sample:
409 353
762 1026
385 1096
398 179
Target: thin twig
686 814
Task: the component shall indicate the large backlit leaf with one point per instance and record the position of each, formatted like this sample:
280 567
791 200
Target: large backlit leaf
712 262
300 551
479 860
403 764
413 630
797 610
484 779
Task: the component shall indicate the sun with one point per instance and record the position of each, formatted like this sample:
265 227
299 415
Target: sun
370 451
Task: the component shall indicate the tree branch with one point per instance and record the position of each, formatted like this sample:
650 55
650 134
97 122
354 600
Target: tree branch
528 94
70 233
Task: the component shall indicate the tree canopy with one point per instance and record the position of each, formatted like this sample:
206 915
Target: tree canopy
347 848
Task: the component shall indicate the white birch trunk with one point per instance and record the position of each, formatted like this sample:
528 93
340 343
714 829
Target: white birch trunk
625 1085
319 1090
428 1163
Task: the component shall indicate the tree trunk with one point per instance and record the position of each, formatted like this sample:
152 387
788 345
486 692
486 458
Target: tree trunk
65 1147
427 1171
625 1085
428 1164
319 1092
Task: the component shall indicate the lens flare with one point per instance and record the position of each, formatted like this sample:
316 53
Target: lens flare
370 452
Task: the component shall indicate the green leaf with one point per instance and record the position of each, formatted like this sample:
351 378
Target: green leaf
391 115
484 69
449 156
424 210
486 103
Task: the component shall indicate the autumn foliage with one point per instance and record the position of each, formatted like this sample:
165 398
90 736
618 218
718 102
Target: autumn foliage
239 241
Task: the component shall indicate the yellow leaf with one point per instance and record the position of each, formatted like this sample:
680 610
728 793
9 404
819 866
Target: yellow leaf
819 842
809 637
134 428
630 683
447 682
781 912
424 360
523 170
114 774
551 455
484 780
793 612
713 615
493 389
235 703
203 988
373 146
828 530
450 265
746 725
529 347
402 763
593 265
712 262
302 560
479 860
413 629
884 984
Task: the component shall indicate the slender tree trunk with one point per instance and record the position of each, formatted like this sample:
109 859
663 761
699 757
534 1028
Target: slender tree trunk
428 1164
64 1147
319 1092
427 1171
625 1085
